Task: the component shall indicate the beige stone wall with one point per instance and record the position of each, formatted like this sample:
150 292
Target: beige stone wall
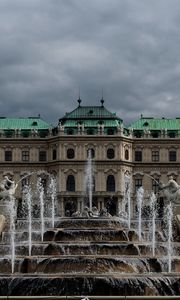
164 167
117 166
103 165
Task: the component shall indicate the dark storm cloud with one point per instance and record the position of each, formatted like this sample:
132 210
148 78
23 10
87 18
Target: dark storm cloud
131 49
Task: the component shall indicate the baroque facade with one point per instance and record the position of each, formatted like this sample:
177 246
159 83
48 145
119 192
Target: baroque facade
148 151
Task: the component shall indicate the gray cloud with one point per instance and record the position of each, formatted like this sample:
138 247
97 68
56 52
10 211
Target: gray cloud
49 48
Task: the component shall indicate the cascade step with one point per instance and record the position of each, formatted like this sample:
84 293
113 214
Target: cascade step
88 248
85 284
88 265
89 235
114 222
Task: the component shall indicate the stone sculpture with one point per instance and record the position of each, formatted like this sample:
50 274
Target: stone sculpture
8 191
171 190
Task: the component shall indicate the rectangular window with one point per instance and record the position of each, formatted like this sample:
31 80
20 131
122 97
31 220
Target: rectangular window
8 155
138 183
155 155
155 186
172 155
25 155
42 155
138 155
54 154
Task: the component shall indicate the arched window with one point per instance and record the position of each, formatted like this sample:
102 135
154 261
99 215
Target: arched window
110 153
126 154
110 184
92 152
70 153
70 183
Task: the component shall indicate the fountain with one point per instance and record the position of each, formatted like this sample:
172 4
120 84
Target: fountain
40 191
169 221
89 178
28 198
127 183
140 195
90 253
52 192
12 211
153 201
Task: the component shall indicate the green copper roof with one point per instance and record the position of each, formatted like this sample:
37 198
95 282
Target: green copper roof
156 124
92 123
23 123
90 112
90 116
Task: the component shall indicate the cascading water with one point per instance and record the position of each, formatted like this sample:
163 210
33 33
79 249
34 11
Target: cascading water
127 182
12 229
28 199
153 201
140 196
96 247
169 221
52 192
40 190
89 178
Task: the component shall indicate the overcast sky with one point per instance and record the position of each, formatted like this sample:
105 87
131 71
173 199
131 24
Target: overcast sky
128 48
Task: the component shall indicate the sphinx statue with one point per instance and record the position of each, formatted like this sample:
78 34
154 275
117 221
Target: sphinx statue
171 191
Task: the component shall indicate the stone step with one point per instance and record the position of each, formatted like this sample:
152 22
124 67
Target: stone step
114 222
88 248
88 265
101 286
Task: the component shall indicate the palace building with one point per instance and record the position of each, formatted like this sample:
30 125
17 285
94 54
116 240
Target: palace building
148 151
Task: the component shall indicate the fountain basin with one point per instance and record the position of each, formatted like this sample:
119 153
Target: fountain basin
151 285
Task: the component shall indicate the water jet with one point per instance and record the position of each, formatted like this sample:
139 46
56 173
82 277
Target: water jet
91 254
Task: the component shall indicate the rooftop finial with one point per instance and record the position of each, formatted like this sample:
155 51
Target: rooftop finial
102 99
79 99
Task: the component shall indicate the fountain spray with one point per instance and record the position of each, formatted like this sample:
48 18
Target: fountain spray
89 178
169 219
127 181
12 230
52 192
41 197
153 201
140 196
28 197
